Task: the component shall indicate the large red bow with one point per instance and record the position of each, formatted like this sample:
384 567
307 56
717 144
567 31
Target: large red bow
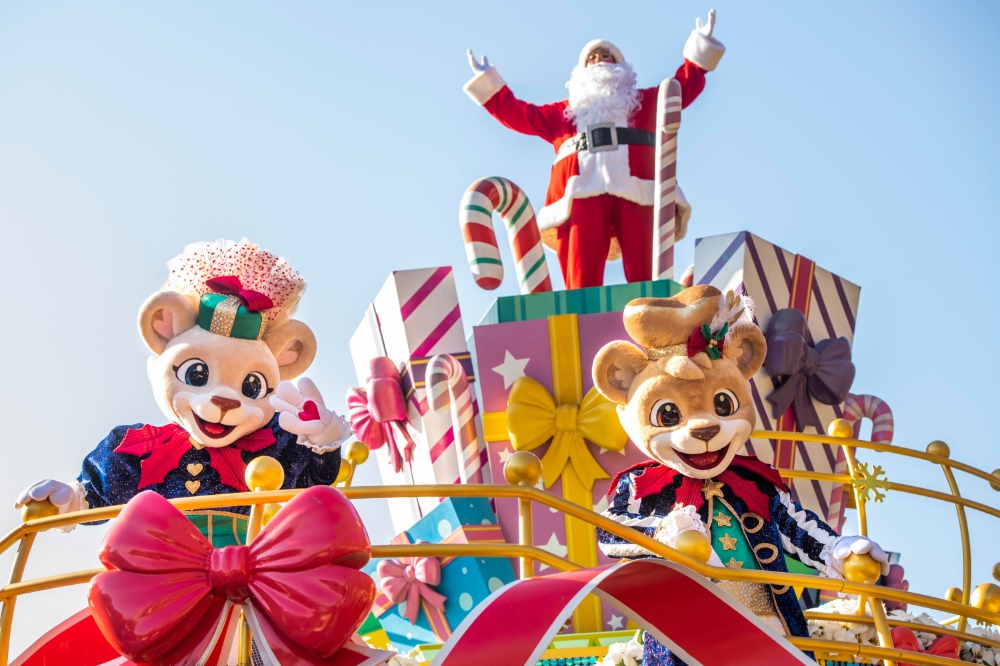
942 646
657 476
230 285
378 413
167 592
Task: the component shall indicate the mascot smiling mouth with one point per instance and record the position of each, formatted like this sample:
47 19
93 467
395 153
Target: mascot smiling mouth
703 461
213 430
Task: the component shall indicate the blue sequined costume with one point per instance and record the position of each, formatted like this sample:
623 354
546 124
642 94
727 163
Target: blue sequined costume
790 530
113 478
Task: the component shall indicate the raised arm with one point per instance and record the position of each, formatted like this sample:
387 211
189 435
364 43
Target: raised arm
702 54
488 89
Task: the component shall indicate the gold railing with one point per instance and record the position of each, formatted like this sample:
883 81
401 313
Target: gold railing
984 608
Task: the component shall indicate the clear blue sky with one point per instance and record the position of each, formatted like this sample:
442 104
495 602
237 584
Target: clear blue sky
862 135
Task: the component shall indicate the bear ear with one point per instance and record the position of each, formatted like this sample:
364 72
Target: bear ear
615 368
746 348
164 316
294 347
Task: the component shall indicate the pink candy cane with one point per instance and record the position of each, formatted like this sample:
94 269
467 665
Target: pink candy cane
668 122
476 217
448 389
857 407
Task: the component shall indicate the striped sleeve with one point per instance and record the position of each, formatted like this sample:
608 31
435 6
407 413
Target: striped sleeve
626 510
803 535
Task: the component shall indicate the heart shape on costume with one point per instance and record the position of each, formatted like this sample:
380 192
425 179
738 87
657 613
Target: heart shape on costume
194 469
192 486
310 412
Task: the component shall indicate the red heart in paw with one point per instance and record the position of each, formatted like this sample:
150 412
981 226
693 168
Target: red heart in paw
310 412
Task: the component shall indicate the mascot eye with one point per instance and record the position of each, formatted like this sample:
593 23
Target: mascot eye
665 414
254 385
193 372
726 403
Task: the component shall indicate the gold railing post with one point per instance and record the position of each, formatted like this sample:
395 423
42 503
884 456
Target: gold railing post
353 454
865 570
843 429
524 469
263 474
939 448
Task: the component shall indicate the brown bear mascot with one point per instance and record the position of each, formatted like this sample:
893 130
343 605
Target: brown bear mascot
683 397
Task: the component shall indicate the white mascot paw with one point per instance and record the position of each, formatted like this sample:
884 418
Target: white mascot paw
302 412
65 497
681 520
843 547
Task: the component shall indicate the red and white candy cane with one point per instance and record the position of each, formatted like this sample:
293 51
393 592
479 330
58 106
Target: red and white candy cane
448 389
857 407
668 122
483 197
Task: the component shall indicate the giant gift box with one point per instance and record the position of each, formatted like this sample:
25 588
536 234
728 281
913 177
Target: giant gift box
464 581
552 338
776 279
414 317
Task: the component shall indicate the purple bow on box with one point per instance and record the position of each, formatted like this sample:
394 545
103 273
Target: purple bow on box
823 372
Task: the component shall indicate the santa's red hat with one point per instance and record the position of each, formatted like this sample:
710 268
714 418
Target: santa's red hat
596 44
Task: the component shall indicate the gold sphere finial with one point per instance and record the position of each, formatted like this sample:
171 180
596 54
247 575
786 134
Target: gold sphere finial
954 594
996 571
694 544
840 428
522 468
986 597
996 474
344 473
938 448
862 568
35 509
356 452
264 473
268 513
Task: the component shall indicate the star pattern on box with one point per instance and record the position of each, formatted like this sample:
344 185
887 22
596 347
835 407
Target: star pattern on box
504 454
511 369
553 546
616 623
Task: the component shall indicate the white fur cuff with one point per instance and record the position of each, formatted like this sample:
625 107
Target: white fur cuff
706 52
484 85
79 503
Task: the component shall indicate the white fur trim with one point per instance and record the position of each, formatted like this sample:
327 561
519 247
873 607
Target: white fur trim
597 43
484 85
647 521
810 527
706 52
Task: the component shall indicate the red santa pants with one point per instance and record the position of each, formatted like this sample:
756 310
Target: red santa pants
584 239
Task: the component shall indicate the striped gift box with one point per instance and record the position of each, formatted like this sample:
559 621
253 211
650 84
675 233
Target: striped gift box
776 279
416 316
592 300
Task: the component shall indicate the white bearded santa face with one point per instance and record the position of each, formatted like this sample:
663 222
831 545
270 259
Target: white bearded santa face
601 91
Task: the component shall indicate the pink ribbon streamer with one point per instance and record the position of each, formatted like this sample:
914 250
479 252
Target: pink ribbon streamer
411 579
378 412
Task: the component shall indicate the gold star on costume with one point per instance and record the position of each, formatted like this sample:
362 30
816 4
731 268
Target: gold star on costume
712 489
734 564
722 520
728 542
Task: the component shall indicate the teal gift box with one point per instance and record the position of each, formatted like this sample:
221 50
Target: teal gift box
465 581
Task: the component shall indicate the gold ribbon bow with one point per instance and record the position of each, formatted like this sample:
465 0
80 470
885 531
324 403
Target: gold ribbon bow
533 418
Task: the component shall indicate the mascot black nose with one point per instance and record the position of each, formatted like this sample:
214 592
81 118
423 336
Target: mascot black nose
705 434
225 404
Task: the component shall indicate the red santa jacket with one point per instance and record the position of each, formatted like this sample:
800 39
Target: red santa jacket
626 172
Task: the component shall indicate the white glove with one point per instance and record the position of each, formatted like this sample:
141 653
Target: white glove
302 412
65 497
679 521
479 67
842 547
705 30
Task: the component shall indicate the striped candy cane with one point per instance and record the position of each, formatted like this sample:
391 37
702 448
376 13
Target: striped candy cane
448 389
857 407
476 217
668 121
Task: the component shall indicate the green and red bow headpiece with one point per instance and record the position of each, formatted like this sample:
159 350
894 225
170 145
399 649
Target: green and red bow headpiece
233 311
703 340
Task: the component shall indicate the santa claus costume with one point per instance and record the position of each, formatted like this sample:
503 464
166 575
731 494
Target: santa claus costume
601 191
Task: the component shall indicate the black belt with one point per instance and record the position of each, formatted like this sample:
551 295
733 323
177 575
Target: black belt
605 136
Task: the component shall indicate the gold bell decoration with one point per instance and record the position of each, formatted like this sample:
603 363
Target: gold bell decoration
954 594
523 468
863 569
938 448
264 473
986 597
841 428
995 474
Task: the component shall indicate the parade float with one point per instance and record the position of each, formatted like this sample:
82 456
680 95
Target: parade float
582 480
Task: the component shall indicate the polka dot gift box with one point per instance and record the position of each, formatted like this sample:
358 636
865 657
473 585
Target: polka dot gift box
421 600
